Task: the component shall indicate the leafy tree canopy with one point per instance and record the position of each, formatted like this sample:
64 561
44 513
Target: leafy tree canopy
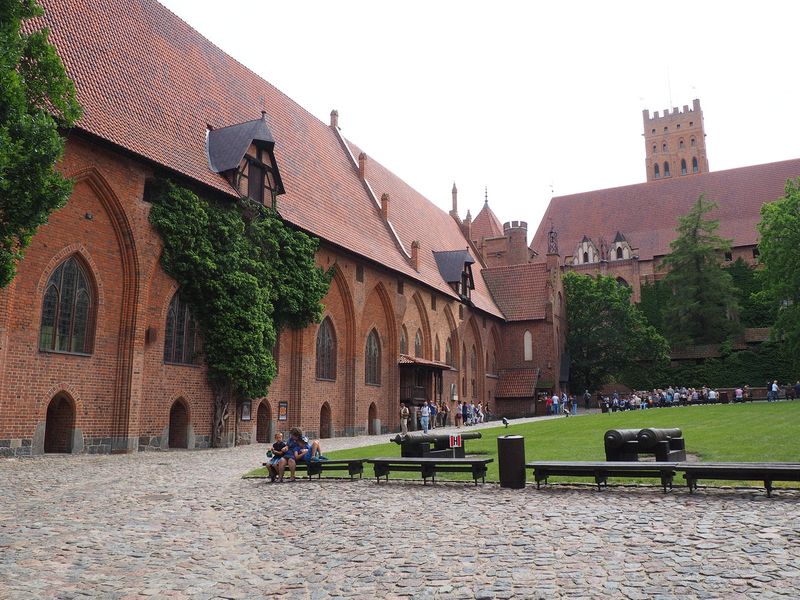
245 274
703 308
36 98
607 335
779 251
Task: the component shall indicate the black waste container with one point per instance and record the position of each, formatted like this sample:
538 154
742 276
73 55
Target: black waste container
511 461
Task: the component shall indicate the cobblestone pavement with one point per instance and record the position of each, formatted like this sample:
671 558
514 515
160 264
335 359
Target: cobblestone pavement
185 525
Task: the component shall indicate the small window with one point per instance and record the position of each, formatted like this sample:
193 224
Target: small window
619 253
360 273
372 359
527 342
418 344
655 148
681 144
666 169
586 254
683 166
693 142
728 256
666 128
448 353
663 147
653 130
400 286
695 167
433 301
691 123
326 351
678 126
403 340
656 171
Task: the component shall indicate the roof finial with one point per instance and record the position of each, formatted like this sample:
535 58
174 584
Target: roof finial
486 195
263 115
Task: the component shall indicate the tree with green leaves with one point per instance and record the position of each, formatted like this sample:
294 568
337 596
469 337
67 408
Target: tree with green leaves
703 308
779 251
37 101
607 335
245 275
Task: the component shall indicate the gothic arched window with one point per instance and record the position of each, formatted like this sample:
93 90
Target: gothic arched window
68 310
403 340
695 168
683 166
666 169
656 171
694 143
437 351
180 334
619 253
527 343
663 147
326 351
585 257
418 344
372 359
448 353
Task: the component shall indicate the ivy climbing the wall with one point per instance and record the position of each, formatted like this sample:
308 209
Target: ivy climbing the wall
245 275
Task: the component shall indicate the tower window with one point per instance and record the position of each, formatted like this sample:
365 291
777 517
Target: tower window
683 166
655 148
657 172
653 131
665 128
666 169
691 123
680 144
695 168
678 126
694 142
663 147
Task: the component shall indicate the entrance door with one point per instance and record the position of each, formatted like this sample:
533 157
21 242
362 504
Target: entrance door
325 421
59 426
178 425
371 418
263 419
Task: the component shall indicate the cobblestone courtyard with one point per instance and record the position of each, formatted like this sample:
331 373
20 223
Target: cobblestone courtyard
185 525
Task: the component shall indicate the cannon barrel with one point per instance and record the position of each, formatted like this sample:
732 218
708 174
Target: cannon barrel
648 438
432 438
615 438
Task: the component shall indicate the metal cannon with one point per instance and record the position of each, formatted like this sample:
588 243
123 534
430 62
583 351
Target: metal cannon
419 445
627 444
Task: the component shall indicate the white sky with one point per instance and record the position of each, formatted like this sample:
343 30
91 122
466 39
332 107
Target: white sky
521 96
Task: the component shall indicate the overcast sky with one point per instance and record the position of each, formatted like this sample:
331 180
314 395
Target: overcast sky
523 97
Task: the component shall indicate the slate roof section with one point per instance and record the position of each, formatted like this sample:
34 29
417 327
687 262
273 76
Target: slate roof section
150 84
519 290
228 145
516 383
451 264
648 212
486 224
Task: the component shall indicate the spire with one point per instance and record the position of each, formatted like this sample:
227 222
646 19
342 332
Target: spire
486 196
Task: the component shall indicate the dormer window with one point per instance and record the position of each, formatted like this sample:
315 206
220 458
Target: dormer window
244 155
455 267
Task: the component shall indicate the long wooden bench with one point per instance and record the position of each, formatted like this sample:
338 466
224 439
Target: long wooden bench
766 472
602 470
354 466
428 467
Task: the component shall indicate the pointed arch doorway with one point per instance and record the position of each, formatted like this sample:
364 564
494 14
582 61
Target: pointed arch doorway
59 426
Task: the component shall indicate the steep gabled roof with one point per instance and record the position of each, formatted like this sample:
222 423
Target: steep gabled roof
451 263
519 290
648 212
152 85
228 145
486 224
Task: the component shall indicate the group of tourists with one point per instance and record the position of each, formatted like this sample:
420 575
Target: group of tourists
285 454
562 405
469 413
437 414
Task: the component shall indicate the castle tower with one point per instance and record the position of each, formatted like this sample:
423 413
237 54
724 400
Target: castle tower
675 142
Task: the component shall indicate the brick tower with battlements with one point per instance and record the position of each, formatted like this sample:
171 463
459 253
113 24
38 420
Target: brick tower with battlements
675 142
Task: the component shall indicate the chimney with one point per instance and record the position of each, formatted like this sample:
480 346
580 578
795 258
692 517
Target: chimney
415 255
335 118
385 207
454 212
362 165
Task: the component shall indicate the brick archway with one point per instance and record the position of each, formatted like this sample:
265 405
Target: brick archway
325 421
59 426
372 416
263 418
178 425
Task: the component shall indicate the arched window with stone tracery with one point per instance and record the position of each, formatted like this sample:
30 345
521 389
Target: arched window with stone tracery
68 310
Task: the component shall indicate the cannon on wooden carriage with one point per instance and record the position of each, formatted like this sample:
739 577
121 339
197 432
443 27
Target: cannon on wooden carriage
627 444
418 445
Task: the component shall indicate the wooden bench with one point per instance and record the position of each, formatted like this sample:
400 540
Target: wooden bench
602 470
766 472
428 467
354 466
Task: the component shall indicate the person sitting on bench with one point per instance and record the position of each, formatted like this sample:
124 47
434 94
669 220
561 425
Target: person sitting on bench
301 449
279 458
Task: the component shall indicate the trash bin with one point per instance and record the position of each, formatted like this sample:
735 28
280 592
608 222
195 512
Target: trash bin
511 461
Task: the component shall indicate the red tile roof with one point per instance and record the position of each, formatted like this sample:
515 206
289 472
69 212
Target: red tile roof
519 290
149 83
486 224
647 213
517 383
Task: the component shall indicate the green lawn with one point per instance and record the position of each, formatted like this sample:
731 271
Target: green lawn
734 432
